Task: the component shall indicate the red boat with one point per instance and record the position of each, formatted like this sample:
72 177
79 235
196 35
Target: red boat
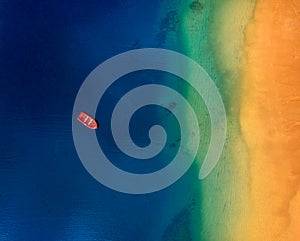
87 120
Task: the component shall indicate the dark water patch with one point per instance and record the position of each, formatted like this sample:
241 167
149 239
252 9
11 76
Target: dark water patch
196 6
168 24
180 227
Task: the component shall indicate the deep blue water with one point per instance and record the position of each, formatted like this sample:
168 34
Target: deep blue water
47 48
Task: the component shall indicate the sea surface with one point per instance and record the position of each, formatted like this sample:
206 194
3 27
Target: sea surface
47 49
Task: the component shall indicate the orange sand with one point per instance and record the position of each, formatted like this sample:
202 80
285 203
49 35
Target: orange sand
270 119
